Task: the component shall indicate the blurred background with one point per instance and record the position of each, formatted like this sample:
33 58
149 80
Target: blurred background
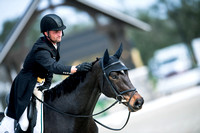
161 41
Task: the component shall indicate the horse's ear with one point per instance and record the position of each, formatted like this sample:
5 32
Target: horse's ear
106 57
119 51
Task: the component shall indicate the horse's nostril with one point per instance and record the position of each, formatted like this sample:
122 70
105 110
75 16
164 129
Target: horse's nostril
138 104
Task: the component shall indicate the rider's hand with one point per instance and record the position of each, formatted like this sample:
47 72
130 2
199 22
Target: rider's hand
73 69
84 67
42 88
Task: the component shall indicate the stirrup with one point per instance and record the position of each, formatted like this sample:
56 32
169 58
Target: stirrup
18 129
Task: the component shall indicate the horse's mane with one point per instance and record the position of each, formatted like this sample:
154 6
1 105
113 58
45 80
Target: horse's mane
67 85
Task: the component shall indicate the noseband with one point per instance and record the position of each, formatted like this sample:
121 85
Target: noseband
118 95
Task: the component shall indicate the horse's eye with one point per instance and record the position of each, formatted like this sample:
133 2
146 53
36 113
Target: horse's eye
114 76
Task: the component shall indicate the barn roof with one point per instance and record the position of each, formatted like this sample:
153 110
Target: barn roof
82 4
117 15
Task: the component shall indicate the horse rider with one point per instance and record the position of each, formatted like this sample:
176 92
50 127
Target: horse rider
40 63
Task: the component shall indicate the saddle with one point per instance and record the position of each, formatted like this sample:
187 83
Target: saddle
32 114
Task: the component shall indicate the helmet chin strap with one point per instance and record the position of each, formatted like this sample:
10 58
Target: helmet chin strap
48 36
62 33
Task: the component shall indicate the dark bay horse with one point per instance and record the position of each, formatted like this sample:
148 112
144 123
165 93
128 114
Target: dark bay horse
79 93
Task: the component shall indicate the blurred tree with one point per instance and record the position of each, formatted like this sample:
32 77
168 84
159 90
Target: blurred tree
14 59
185 14
7 27
163 34
172 22
33 33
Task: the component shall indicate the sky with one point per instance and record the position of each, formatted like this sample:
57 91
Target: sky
17 7
10 9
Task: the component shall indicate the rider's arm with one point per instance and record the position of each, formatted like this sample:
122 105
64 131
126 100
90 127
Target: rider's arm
43 57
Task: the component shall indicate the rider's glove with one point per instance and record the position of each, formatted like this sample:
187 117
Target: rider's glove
84 67
42 88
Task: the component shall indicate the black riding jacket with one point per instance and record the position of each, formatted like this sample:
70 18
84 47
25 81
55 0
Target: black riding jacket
42 61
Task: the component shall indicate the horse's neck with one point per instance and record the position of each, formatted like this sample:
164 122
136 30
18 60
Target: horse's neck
83 99
87 93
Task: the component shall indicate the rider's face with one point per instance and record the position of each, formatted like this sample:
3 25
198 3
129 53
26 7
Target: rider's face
55 36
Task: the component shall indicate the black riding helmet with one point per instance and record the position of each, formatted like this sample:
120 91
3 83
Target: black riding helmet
51 22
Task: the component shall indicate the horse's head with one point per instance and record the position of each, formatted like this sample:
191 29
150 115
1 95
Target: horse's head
116 82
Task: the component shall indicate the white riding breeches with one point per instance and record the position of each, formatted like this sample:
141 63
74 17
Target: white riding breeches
23 121
7 124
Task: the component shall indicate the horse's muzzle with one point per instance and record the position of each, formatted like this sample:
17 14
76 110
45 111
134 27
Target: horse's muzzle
138 104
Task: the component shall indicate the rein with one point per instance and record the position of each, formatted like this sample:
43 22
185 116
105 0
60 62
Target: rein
73 115
86 116
119 98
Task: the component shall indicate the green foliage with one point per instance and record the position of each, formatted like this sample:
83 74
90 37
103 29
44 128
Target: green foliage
7 27
186 17
180 24
185 14
33 33
162 34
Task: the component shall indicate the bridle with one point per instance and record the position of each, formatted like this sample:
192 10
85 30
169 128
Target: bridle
119 95
119 98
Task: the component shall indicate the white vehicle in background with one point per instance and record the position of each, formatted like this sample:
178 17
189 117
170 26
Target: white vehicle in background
175 60
196 49
170 61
